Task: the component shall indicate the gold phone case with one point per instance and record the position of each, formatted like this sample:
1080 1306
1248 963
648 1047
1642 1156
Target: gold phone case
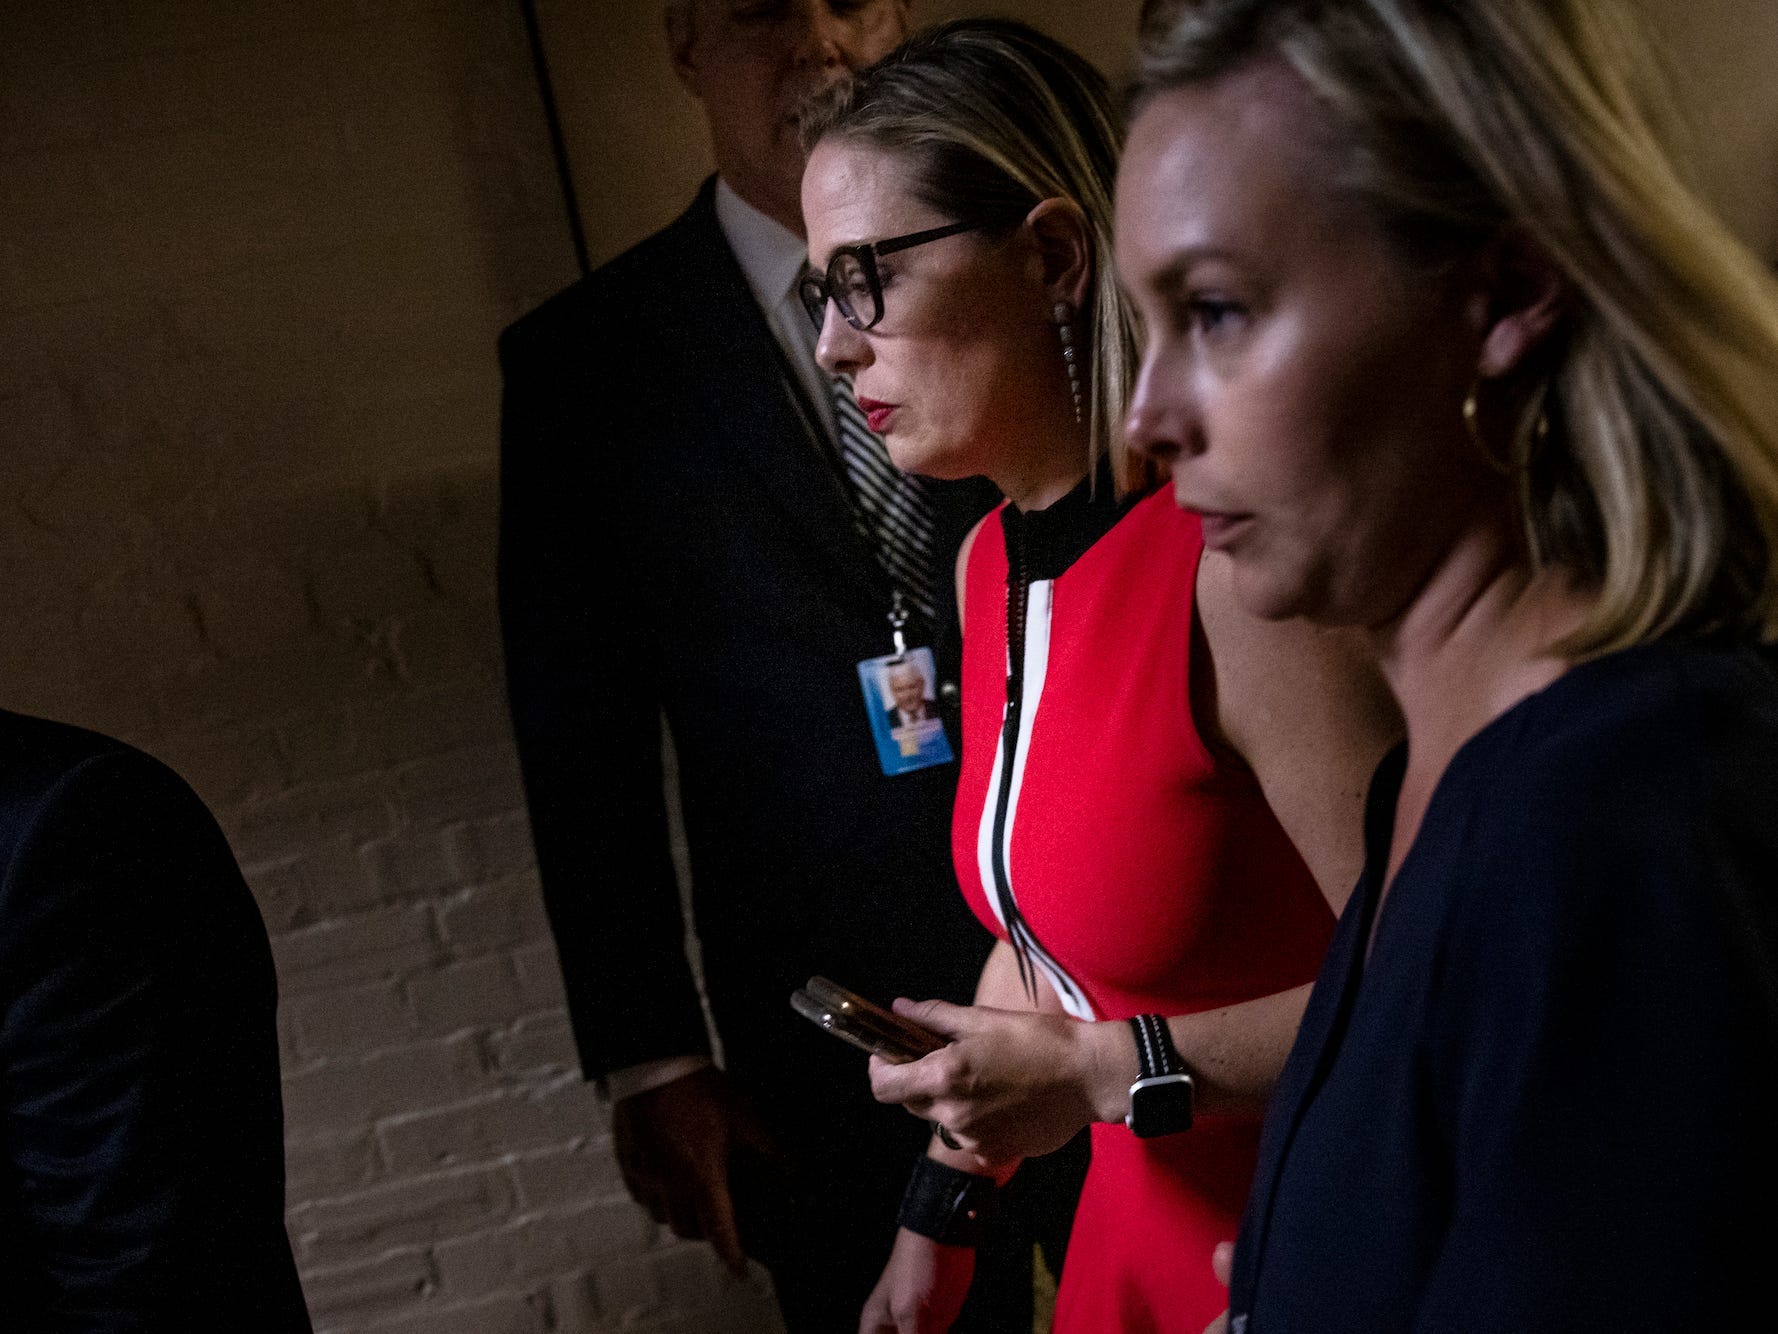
868 1027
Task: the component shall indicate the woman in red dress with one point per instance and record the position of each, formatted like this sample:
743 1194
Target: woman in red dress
1158 808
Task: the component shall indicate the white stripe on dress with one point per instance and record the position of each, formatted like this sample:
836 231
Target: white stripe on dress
1037 658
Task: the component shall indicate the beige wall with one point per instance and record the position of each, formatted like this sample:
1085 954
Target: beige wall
253 260
637 151
636 142
1725 56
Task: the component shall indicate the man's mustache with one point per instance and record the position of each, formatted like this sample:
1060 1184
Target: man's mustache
799 101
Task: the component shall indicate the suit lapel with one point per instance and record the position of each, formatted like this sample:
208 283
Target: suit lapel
773 434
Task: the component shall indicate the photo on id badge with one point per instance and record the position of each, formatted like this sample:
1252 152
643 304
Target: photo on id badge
900 697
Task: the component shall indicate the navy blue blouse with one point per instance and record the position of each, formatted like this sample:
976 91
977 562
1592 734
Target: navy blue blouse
1549 1099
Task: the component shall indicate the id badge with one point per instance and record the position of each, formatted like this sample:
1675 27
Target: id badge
902 702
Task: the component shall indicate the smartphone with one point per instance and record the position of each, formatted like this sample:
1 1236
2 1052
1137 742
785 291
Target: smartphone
868 1027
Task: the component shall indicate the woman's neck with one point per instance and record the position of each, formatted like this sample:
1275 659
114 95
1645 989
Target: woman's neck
1038 478
1479 637
1484 622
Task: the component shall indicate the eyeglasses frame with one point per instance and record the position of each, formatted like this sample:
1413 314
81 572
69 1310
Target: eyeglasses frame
866 254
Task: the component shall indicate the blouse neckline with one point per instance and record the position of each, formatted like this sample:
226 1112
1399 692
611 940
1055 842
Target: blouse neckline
1053 538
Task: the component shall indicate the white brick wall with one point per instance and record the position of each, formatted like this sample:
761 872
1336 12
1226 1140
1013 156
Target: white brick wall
253 259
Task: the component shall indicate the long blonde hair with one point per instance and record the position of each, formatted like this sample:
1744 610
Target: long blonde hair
1648 464
992 117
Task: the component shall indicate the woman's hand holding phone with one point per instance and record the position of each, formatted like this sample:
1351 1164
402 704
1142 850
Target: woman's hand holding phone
1008 1084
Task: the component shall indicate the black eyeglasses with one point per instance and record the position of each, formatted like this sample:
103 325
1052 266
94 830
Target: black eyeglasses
851 280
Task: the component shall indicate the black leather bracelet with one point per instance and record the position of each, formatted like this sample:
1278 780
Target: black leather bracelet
1154 1047
946 1204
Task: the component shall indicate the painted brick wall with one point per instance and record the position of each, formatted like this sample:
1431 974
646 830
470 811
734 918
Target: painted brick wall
253 258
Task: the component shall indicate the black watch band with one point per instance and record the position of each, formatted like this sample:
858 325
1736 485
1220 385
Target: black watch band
946 1204
1161 1097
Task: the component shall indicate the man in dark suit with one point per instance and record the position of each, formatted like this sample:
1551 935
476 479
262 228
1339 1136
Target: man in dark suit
144 1131
678 538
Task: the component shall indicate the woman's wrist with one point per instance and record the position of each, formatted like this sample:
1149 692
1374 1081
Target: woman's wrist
965 1161
1107 1065
947 1205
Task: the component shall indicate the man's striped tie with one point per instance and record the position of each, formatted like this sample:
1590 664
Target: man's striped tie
896 508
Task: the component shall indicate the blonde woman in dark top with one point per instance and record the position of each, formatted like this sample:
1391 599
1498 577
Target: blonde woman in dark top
1441 346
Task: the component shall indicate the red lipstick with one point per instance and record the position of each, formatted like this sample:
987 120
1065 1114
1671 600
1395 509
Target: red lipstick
876 414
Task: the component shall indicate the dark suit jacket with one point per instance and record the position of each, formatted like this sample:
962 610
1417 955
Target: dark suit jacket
674 537
892 716
143 1132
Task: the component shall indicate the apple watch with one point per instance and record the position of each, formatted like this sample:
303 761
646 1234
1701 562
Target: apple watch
1161 1097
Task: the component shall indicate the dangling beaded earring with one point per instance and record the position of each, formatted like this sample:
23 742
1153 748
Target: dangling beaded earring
1065 330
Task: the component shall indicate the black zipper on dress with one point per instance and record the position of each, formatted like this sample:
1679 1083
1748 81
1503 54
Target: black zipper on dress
1018 596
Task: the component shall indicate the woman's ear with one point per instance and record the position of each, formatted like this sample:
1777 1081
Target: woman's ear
1524 298
681 37
1063 243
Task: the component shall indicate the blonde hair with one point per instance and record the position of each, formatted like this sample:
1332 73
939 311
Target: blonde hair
1457 121
992 118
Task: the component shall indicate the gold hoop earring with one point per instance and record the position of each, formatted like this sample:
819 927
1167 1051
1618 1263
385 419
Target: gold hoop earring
1495 463
1540 430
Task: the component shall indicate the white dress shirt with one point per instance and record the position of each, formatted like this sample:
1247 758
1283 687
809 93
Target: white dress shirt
772 257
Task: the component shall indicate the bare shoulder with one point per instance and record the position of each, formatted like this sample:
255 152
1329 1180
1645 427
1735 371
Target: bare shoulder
1309 711
1277 672
963 551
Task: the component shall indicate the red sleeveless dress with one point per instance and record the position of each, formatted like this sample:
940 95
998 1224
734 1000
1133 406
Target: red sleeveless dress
1142 872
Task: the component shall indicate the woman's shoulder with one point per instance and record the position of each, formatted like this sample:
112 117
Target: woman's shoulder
981 555
1637 781
1612 862
989 523
1637 720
